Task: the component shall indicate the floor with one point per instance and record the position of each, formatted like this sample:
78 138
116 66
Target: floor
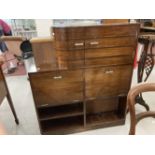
22 98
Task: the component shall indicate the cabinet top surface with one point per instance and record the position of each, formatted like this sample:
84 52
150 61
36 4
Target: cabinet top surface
93 25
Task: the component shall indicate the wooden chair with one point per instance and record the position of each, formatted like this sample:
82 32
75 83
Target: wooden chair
133 93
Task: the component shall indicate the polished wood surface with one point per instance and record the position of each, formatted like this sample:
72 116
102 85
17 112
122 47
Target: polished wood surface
135 118
93 69
112 21
107 81
57 88
44 53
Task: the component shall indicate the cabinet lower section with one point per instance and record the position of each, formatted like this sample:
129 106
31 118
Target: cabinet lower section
82 116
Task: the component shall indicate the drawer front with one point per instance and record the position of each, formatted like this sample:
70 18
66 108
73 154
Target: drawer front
111 30
69 45
119 60
106 52
56 89
110 42
107 81
70 55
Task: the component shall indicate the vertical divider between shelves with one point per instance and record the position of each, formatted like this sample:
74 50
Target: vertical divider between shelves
84 87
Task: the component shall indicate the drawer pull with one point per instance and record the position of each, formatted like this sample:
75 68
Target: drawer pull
79 44
109 72
57 77
94 43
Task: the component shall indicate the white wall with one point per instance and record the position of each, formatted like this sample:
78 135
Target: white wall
43 27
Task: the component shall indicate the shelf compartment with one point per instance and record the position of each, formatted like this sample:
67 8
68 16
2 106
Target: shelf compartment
64 111
105 119
63 125
106 112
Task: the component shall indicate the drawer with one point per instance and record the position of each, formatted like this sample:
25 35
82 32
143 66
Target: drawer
106 61
106 52
69 45
107 81
56 89
111 31
110 42
70 55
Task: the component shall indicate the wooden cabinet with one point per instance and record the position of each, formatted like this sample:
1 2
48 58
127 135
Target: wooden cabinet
88 87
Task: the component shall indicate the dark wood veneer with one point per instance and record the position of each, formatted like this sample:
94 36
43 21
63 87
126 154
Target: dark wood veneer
88 85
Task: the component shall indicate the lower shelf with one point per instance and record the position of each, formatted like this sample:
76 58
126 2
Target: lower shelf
105 119
63 125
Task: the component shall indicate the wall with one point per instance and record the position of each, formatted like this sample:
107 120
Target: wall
43 27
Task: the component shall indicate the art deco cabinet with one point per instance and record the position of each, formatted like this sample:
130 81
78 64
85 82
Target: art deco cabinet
88 85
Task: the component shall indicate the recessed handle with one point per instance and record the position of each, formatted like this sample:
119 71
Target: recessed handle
57 77
109 72
79 44
94 43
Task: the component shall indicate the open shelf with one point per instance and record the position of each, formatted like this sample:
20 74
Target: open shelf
63 111
63 125
106 118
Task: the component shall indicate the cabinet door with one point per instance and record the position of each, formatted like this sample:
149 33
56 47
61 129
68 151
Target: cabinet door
70 59
107 81
53 88
3 91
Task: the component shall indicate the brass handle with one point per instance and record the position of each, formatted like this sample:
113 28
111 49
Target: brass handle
109 72
79 44
94 43
57 77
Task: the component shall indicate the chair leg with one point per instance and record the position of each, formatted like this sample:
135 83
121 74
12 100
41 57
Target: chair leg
140 101
12 109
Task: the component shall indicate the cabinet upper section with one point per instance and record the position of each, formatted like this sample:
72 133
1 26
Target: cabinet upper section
95 32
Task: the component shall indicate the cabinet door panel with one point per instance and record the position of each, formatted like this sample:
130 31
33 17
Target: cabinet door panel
110 42
53 88
107 81
106 52
119 60
111 31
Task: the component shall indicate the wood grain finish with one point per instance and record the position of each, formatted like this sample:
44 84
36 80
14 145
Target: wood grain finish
107 81
109 52
101 105
44 53
94 69
57 88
